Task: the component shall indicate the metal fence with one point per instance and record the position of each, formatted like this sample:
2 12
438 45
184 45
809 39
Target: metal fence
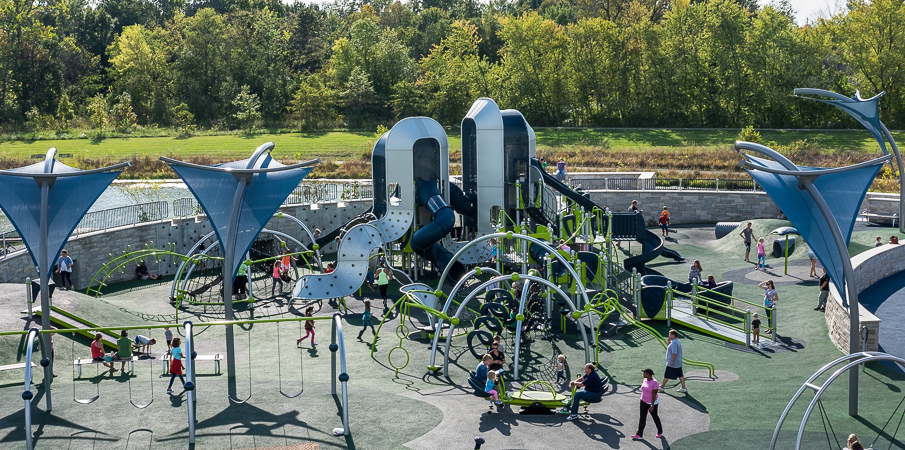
330 191
122 216
664 184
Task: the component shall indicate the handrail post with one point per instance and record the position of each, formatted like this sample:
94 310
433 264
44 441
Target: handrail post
28 297
694 298
669 303
636 292
747 328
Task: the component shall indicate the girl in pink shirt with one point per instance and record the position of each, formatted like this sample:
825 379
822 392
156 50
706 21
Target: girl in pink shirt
650 402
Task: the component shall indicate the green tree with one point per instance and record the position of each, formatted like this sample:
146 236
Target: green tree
97 112
453 75
65 112
248 109
121 114
313 104
183 119
138 65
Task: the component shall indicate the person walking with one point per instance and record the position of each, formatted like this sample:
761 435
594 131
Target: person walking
561 170
64 268
664 222
813 259
747 235
674 361
824 291
366 320
650 403
240 284
309 328
384 276
176 365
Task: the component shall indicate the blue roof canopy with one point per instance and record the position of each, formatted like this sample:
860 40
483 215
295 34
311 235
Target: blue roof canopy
215 188
843 193
71 194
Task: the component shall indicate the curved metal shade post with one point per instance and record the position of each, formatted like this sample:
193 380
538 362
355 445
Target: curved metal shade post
337 345
190 377
849 362
446 306
27 394
484 285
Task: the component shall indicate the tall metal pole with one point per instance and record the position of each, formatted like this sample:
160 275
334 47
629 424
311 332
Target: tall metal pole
228 258
43 272
854 344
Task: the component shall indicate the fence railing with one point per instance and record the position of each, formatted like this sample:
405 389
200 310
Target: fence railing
664 184
122 216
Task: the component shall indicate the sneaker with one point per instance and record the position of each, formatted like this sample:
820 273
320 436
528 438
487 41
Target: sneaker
572 417
635 437
499 402
313 344
298 341
659 435
563 411
682 390
169 391
817 309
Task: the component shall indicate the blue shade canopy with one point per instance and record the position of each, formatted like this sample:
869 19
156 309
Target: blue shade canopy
215 188
69 199
843 193
865 111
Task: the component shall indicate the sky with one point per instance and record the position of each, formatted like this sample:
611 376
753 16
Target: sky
807 11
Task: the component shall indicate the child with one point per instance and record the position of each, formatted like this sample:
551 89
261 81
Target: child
664 222
488 388
761 253
755 329
309 328
369 278
560 368
365 321
276 278
494 252
879 242
168 335
176 365
144 343
711 282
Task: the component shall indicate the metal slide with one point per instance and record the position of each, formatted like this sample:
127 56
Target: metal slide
351 266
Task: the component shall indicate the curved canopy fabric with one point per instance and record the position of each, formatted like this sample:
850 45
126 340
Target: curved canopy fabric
69 199
865 111
843 193
265 192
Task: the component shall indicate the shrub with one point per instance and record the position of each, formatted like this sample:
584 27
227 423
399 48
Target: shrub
749 134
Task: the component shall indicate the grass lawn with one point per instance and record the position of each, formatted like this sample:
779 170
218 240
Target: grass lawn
344 145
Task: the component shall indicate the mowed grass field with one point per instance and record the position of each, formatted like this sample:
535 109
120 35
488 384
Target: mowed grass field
347 144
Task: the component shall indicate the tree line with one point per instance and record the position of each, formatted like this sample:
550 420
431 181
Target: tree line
225 64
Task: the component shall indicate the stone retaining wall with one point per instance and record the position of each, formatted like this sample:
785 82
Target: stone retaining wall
91 251
869 267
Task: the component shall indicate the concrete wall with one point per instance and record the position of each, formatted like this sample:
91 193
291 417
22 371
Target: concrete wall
688 207
869 267
92 251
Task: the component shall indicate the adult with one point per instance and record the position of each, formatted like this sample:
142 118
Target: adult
499 358
561 170
97 352
592 385
674 361
317 234
813 258
143 274
853 443
747 235
694 273
64 268
384 276
650 403
144 343
240 284
124 353
634 207
824 291
770 298
543 164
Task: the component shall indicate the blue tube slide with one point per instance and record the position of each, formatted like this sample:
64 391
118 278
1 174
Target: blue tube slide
425 241
461 202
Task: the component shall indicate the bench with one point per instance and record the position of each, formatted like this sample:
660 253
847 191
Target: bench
879 218
216 358
15 366
79 362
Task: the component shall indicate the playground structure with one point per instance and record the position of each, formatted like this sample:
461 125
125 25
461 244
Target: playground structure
494 243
